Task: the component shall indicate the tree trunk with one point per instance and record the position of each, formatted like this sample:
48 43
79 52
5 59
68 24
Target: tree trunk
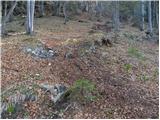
11 16
6 18
64 12
98 9
55 8
157 14
30 16
87 6
153 13
142 15
60 8
42 8
116 15
150 29
5 9
0 19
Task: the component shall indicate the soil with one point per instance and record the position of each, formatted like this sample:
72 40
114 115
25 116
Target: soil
126 74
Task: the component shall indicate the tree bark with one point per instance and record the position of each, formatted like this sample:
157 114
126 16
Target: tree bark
157 14
5 9
64 12
142 15
30 16
11 16
6 18
98 9
42 8
0 19
60 8
150 29
116 15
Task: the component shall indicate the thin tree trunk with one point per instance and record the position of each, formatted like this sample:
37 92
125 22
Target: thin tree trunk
30 16
0 19
5 9
98 9
6 18
157 14
42 8
150 29
87 6
64 12
116 21
60 8
142 15
55 8
153 13
11 16
116 15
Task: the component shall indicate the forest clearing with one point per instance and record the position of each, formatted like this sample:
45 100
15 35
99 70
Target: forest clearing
80 69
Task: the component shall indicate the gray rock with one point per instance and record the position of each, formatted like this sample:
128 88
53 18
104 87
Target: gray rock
30 97
16 101
41 52
46 87
29 50
69 55
18 107
56 91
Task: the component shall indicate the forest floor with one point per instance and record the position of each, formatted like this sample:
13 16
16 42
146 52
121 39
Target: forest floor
125 75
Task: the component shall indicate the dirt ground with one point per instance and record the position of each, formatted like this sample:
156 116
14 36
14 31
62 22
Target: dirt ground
126 74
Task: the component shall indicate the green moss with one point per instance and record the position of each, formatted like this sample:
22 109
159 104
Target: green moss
144 77
135 53
128 67
155 73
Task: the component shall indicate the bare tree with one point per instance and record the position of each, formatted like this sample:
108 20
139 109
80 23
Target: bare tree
42 8
150 29
55 8
11 16
60 8
30 16
116 21
64 12
157 13
142 15
0 19
87 6
6 18
5 9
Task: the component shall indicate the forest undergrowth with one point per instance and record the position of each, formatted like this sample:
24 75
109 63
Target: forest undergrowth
125 74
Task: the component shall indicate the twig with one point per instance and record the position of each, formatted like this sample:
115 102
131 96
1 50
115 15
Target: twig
67 107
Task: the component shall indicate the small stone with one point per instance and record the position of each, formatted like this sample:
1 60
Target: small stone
51 51
104 54
33 52
69 55
37 74
29 49
33 98
30 87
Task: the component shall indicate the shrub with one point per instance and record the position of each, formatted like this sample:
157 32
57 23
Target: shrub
135 52
127 67
144 77
82 91
10 108
155 73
